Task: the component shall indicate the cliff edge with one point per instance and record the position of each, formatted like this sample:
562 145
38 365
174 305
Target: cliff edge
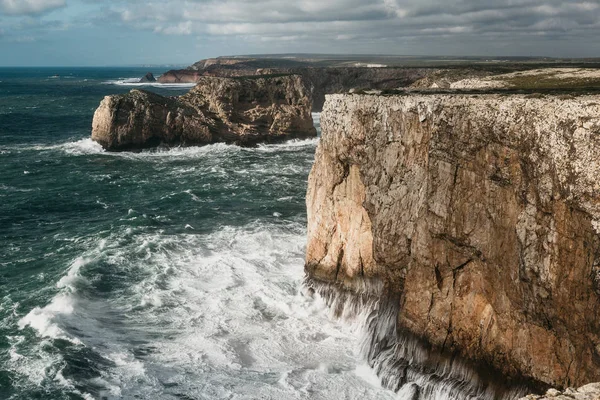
478 218
243 111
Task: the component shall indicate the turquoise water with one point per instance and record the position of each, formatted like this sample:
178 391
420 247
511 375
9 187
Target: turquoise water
171 274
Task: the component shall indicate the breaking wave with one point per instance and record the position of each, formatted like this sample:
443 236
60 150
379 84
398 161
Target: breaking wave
135 82
215 316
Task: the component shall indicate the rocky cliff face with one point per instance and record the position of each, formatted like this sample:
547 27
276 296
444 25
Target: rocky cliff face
478 219
319 80
241 111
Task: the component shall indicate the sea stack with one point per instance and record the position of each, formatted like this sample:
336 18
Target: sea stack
242 111
471 225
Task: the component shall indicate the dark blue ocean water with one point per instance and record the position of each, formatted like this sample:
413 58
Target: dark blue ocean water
172 274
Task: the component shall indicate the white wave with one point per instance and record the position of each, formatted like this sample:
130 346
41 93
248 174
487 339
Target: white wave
13 189
42 319
224 309
45 319
135 82
55 321
87 146
37 368
366 373
290 145
215 149
81 147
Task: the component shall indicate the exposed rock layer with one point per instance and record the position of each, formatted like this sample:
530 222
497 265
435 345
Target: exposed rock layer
481 212
320 81
242 111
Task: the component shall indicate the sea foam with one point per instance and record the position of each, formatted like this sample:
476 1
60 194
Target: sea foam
135 82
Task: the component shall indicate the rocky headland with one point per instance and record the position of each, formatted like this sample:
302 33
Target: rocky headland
339 74
320 79
241 111
467 229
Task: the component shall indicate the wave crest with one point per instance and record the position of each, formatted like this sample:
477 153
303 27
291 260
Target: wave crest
135 82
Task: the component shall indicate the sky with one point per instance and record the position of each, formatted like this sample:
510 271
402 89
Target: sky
180 32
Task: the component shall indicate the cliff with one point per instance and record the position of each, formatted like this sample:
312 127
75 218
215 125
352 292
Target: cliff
319 80
241 111
473 223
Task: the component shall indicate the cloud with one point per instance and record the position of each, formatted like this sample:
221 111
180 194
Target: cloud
455 27
362 19
30 7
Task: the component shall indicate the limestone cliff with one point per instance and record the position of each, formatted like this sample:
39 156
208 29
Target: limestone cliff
241 111
320 80
479 217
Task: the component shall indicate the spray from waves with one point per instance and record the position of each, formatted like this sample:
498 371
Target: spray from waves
401 361
212 316
89 147
54 323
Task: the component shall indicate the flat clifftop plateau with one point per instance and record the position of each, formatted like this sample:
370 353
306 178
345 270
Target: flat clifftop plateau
241 111
566 78
479 213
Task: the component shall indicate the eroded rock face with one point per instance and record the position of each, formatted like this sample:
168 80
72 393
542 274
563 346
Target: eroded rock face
320 81
241 111
481 212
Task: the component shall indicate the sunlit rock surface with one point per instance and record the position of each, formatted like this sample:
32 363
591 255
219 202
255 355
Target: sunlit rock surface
480 214
244 111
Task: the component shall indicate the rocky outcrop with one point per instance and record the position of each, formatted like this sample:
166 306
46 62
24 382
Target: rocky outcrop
241 111
587 392
320 81
479 217
149 77
180 76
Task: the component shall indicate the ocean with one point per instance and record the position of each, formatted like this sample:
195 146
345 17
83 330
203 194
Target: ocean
165 274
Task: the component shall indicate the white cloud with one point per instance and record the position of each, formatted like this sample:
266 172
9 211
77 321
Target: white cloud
22 7
182 28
